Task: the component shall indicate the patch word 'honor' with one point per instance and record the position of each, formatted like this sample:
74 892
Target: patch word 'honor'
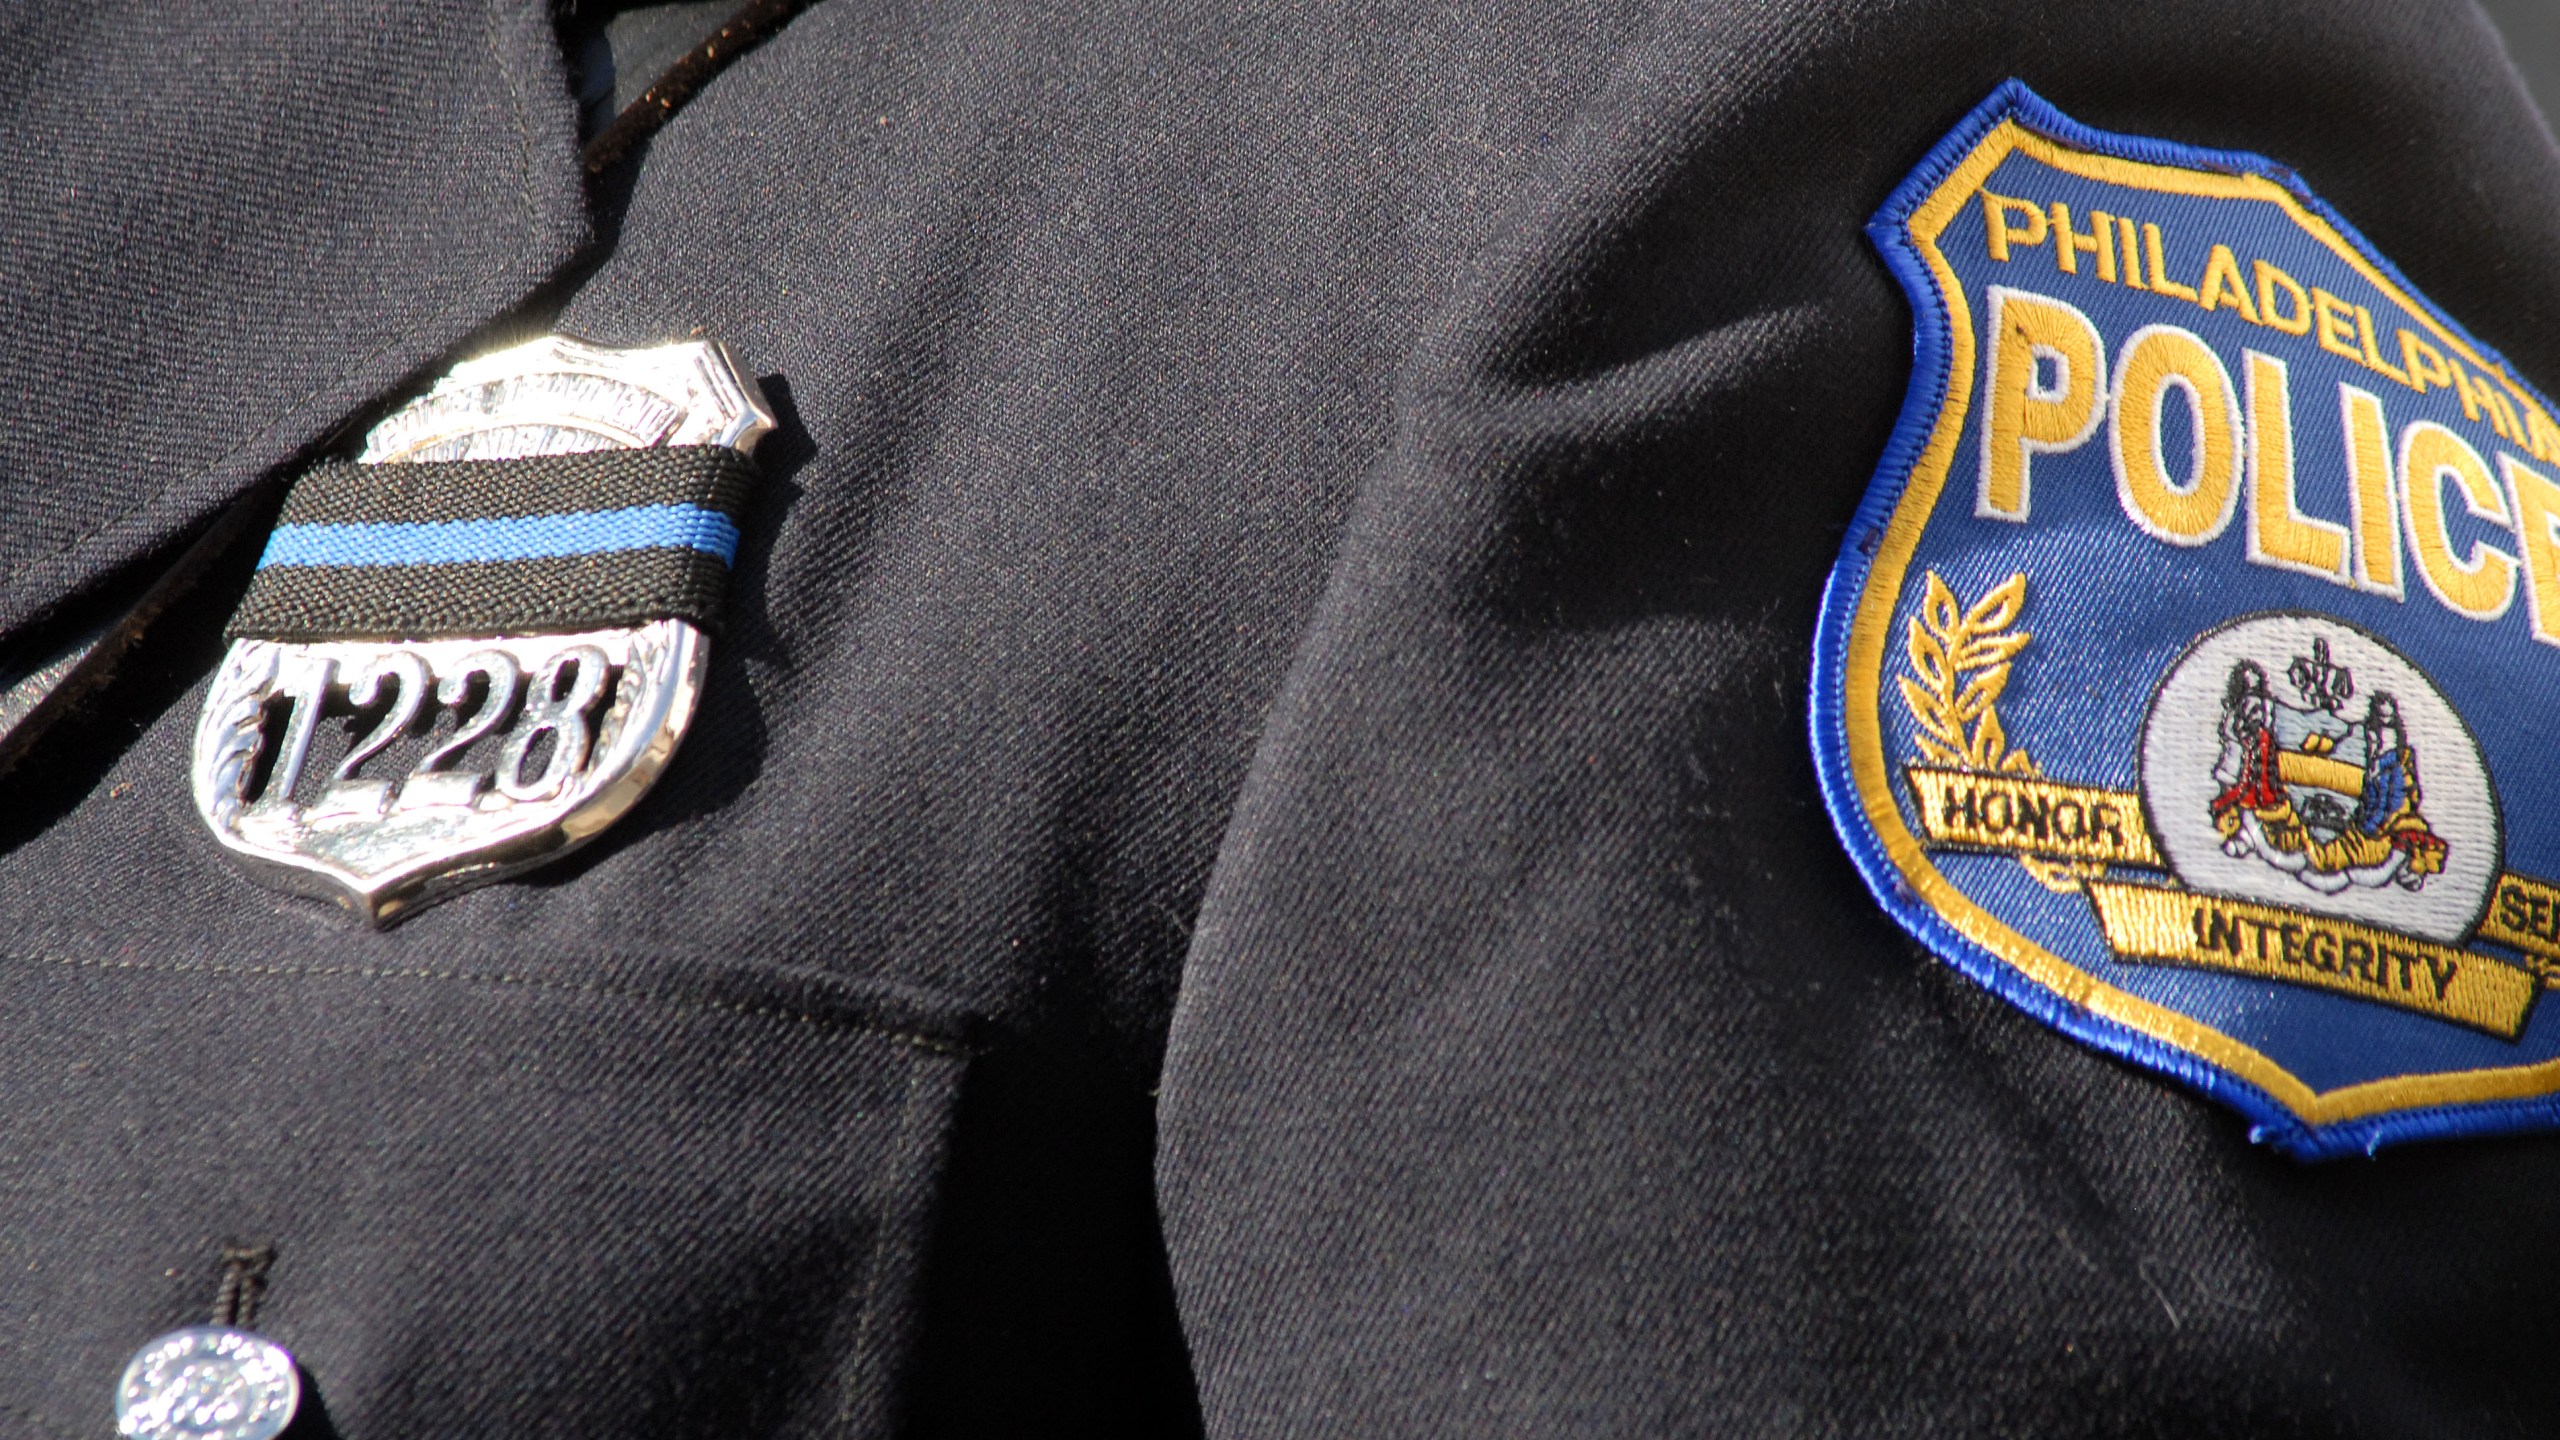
2184 677
477 646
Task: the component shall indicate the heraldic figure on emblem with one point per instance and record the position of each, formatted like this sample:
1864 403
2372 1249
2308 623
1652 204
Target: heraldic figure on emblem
2294 760
2329 800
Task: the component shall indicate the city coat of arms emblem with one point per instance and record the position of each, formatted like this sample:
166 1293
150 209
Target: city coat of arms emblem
2331 800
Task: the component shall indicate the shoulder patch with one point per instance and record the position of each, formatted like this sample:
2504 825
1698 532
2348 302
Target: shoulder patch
2186 676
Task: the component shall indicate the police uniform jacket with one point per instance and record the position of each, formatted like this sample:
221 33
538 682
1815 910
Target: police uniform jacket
1249 862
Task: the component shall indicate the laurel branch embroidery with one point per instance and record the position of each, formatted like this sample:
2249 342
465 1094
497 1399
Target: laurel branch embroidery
1961 659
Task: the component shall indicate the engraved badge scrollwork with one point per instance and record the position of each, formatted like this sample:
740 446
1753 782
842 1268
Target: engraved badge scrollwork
389 773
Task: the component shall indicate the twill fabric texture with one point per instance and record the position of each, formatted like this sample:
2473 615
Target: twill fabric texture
1249 864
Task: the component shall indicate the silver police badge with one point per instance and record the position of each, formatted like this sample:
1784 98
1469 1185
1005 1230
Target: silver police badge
359 749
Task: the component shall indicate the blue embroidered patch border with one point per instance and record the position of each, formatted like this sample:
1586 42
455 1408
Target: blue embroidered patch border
2172 682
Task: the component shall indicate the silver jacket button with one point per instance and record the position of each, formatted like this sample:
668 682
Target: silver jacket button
208 1382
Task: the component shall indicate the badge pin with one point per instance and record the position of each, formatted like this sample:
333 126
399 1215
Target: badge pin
476 647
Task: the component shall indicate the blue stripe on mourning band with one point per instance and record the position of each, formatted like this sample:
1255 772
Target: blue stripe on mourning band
527 537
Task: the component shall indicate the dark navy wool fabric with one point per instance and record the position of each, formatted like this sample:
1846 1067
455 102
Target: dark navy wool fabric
1248 863
229 228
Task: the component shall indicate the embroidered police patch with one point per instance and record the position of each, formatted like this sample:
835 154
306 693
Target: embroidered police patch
2184 675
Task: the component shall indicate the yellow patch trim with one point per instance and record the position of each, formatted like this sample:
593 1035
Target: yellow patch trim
2524 914
1972 810
2179 927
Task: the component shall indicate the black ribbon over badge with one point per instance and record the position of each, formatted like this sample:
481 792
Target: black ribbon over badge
501 547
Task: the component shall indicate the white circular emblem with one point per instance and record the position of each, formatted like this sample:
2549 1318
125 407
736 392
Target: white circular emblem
2296 760
208 1382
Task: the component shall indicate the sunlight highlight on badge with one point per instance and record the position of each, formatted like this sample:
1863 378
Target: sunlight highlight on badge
2173 680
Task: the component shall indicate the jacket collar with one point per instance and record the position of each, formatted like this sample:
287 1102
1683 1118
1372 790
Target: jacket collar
218 245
